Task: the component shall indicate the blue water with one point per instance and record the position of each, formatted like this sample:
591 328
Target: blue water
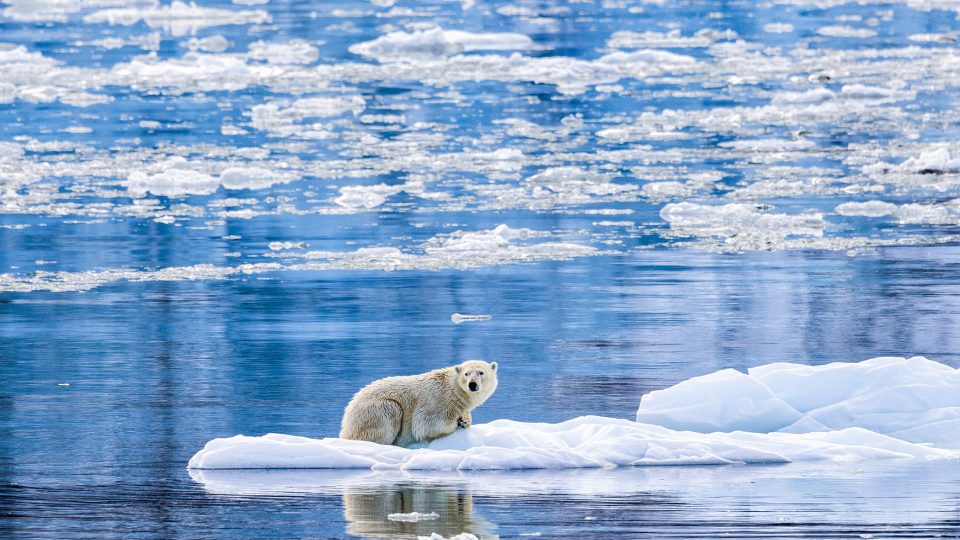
119 358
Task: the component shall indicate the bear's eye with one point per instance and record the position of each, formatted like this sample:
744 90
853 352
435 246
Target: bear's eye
481 374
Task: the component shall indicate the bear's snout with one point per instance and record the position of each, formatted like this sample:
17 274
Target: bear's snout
473 386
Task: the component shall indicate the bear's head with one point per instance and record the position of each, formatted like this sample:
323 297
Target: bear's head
477 379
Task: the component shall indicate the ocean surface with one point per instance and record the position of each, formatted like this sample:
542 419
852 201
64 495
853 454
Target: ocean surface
222 218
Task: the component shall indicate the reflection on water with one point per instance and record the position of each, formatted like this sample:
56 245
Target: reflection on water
366 512
887 498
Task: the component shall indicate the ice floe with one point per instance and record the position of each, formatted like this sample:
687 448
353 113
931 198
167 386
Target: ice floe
459 250
846 31
776 413
437 42
739 226
179 18
914 400
671 39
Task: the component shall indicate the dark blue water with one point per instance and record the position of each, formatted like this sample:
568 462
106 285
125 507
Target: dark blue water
143 316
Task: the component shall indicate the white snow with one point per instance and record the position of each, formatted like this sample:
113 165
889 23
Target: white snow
914 400
777 413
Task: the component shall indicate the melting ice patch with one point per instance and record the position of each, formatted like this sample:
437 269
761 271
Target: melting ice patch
459 250
739 226
437 42
179 18
777 413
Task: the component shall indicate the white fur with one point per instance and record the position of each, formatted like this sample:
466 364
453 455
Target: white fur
415 408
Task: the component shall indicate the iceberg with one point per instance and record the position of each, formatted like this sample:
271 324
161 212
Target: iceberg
777 413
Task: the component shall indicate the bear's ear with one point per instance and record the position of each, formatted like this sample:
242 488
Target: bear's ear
493 366
457 369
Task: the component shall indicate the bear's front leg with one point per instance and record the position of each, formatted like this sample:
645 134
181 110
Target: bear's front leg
465 420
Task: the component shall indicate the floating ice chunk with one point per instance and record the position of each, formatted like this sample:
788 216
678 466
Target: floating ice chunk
936 161
59 10
778 28
741 226
283 118
277 246
770 145
366 196
295 51
457 318
874 93
413 517
215 44
179 18
584 442
478 241
437 42
253 178
816 95
172 182
946 213
934 38
866 209
846 31
573 185
671 39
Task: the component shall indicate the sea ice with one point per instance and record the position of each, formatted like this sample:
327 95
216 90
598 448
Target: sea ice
179 18
776 413
437 42
739 226
914 400
458 318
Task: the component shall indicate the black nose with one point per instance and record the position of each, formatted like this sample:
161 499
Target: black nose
473 386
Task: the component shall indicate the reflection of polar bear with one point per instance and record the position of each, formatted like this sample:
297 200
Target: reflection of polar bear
405 410
367 508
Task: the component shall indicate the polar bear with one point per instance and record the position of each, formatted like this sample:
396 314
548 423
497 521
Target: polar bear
415 408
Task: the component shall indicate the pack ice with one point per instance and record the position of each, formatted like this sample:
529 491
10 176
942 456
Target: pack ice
776 413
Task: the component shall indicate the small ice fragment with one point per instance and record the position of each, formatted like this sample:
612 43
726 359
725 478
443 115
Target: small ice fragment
457 318
277 246
413 516
778 28
846 31
461 536
590 518
63 384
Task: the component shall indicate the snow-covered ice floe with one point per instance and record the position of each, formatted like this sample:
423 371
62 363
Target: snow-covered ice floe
777 413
